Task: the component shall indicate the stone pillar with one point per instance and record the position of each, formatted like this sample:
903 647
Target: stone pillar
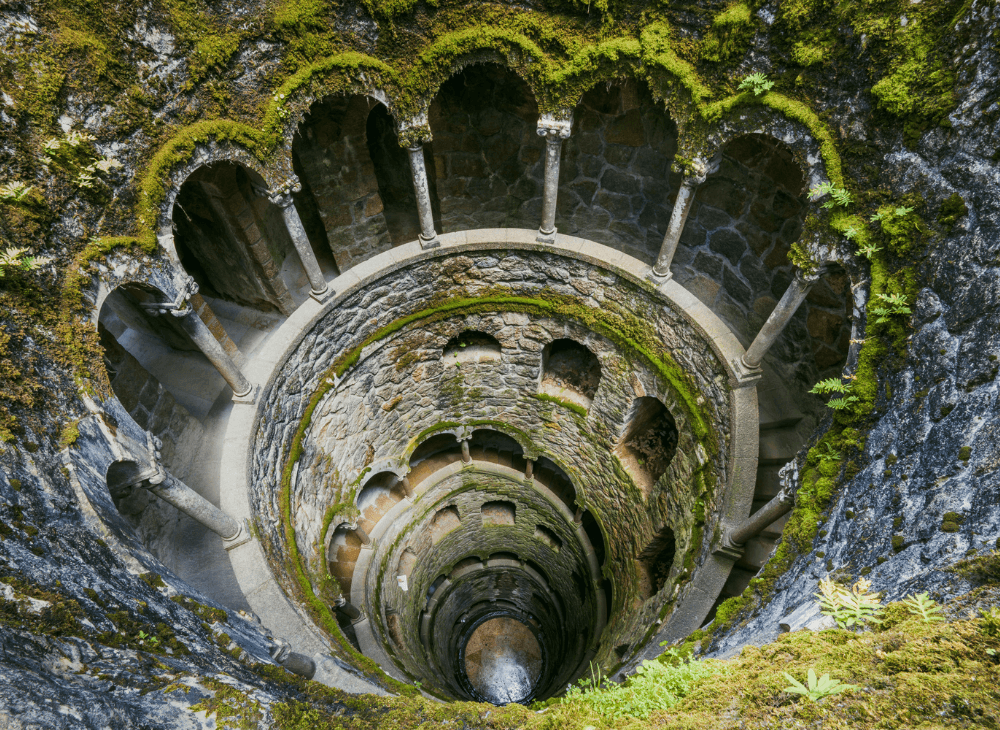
202 337
348 609
554 131
176 493
578 517
407 488
359 532
428 236
794 295
736 537
281 652
678 217
283 199
529 468
466 456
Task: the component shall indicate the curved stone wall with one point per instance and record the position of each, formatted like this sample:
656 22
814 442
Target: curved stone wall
366 383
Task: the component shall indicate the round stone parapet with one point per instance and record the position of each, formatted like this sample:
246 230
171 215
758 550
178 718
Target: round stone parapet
334 370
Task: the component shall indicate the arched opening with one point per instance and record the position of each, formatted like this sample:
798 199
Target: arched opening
394 177
498 513
444 521
570 372
470 346
548 537
150 361
486 153
595 535
331 155
655 562
342 552
379 495
551 475
234 241
615 183
649 442
435 453
496 448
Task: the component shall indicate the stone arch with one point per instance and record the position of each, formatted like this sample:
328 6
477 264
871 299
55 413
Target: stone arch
471 346
342 207
733 253
615 180
510 59
648 442
233 240
655 562
379 494
570 371
141 351
205 154
485 158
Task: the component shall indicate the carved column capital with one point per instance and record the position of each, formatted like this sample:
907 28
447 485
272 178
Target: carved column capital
181 306
555 128
282 194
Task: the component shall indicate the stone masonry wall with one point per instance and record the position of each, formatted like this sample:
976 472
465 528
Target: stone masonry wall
615 184
413 358
485 162
333 162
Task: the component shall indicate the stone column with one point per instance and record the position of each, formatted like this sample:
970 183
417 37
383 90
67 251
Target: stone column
175 492
283 199
348 609
554 131
678 217
794 295
360 532
407 488
466 456
281 652
529 468
202 337
428 236
736 537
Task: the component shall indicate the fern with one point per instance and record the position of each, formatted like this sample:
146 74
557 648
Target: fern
818 688
891 305
757 83
924 606
838 196
830 385
849 606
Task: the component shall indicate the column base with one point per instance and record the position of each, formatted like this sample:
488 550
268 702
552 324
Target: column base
248 398
659 279
745 375
546 237
322 296
240 538
426 243
727 548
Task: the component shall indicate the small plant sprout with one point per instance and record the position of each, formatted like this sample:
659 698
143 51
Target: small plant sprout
14 191
849 606
835 385
851 233
14 258
75 138
924 606
107 164
757 83
889 305
838 196
868 250
818 688
831 454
